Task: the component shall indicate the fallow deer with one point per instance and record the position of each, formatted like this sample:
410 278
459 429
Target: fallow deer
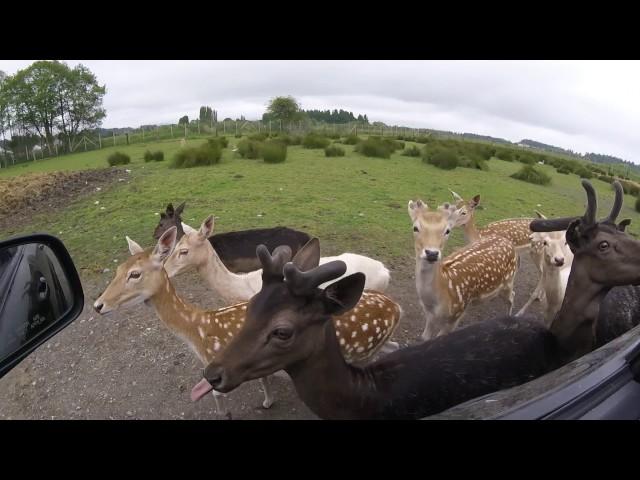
446 287
514 229
237 250
363 331
556 266
287 327
193 251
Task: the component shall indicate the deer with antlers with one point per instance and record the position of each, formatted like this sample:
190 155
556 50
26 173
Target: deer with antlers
362 332
514 229
194 251
446 287
287 327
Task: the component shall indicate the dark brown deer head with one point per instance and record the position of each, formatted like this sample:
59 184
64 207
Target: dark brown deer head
168 219
285 321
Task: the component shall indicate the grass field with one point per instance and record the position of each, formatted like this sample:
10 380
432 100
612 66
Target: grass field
352 203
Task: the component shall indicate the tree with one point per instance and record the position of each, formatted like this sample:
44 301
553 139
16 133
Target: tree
206 115
286 109
80 101
184 120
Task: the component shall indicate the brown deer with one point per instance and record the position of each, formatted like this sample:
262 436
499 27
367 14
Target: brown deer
287 327
237 250
142 278
446 287
514 229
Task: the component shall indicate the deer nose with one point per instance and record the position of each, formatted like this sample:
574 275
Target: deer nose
432 255
559 261
98 306
213 375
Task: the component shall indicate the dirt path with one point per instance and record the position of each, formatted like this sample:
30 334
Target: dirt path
127 365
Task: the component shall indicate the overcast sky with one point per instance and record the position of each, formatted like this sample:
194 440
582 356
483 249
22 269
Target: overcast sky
589 106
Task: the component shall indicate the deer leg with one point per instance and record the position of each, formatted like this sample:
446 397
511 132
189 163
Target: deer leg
430 329
221 407
268 399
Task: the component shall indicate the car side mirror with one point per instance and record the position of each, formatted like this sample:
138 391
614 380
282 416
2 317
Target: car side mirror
40 294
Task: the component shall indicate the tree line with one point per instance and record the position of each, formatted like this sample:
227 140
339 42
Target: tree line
50 103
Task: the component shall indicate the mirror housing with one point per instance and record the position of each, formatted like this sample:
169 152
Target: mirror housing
40 294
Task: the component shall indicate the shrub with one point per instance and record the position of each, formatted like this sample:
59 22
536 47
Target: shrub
606 178
249 148
351 140
313 140
373 147
443 158
332 135
333 151
583 172
528 173
411 152
260 137
630 188
118 158
222 142
148 156
206 154
505 154
563 169
274 151
638 204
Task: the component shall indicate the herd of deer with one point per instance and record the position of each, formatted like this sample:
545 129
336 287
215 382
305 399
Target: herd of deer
322 319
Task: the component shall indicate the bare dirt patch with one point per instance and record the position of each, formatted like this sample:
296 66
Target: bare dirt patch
24 195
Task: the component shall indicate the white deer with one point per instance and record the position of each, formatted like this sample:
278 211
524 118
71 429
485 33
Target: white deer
554 258
194 251
446 287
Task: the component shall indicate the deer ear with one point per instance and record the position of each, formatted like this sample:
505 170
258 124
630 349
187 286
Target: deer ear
180 208
343 295
623 224
414 207
163 215
134 248
207 227
165 245
187 228
475 201
573 236
170 210
308 256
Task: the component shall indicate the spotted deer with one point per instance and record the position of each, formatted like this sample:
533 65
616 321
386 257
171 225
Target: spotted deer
514 229
363 331
194 251
475 273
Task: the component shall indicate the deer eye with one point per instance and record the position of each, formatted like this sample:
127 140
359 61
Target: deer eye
545 243
415 229
183 251
603 246
447 231
134 275
463 213
282 333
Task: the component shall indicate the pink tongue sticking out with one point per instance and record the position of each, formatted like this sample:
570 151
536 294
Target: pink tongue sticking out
200 390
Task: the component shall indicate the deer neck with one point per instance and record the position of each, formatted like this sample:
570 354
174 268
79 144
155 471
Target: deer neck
552 280
471 233
180 317
331 388
574 325
429 284
232 287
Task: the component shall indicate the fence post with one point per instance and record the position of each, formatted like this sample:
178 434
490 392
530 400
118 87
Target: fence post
280 126
224 127
99 141
269 127
171 127
114 138
85 143
198 122
185 130
236 128
56 146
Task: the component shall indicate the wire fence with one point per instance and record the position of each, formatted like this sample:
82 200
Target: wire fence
35 149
